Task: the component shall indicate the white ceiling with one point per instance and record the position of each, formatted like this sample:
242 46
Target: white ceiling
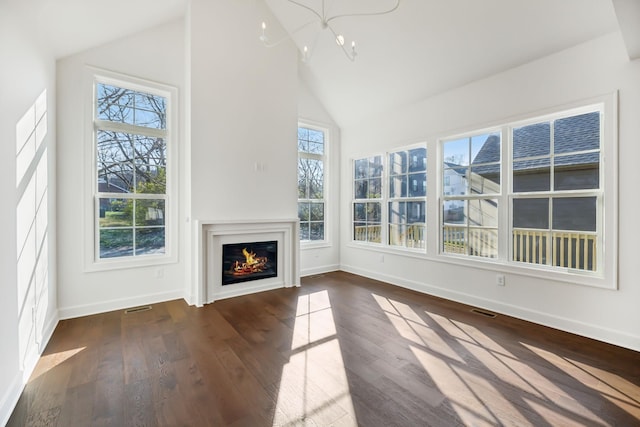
423 48
426 47
628 13
70 26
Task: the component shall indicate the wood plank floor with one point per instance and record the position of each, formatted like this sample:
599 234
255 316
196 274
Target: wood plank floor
341 350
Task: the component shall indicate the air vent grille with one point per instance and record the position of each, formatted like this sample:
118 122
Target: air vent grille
137 309
483 313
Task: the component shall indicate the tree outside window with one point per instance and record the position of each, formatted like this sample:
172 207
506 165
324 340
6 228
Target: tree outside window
311 183
131 163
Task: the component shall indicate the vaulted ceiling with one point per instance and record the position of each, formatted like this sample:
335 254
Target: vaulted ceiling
423 48
70 26
426 47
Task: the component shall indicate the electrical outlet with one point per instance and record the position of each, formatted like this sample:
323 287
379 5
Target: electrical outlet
500 279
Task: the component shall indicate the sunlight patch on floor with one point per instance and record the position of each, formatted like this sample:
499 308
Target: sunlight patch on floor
480 338
413 328
555 418
314 368
452 369
452 384
612 387
50 361
507 369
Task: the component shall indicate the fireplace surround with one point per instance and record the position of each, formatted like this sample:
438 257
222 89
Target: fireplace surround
275 239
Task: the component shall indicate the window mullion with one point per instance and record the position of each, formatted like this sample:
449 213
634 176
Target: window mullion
505 232
129 128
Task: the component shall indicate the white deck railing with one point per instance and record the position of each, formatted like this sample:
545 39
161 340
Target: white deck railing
567 249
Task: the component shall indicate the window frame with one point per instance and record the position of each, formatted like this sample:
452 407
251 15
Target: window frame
605 278
388 199
385 200
381 201
607 205
305 244
468 196
551 194
93 262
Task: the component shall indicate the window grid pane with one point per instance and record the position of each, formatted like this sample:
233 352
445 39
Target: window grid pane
407 192
311 174
558 230
471 169
121 105
133 165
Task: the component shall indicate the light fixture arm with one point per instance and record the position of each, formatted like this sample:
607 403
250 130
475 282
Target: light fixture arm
383 12
324 24
340 42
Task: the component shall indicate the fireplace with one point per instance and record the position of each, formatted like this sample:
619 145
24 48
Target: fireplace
271 259
244 262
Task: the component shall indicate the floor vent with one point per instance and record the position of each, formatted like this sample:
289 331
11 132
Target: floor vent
137 309
483 313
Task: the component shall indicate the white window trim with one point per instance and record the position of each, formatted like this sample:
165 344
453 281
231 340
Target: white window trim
388 199
605 278
91 261
328 137
384 201
383 213
500 196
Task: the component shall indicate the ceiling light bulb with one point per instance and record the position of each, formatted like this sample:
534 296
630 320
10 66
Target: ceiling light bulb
340 40
264 26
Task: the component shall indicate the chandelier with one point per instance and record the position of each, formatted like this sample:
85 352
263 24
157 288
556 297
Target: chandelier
320 17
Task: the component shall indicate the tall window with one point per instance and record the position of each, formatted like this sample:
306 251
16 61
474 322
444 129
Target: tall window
407 192
557 192
470 188
367 204
131 133
311 183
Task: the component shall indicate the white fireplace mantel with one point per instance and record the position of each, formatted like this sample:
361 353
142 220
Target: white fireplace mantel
212 234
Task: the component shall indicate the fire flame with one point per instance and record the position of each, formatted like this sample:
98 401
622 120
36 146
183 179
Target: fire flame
252 264
249 256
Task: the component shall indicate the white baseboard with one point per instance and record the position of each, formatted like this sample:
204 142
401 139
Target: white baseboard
319 270
47 333
118 304
10 398
565 324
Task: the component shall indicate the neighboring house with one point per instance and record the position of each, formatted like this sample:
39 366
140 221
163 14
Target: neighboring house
454 183
563 155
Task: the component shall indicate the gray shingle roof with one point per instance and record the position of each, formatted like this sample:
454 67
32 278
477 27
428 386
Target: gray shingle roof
571 134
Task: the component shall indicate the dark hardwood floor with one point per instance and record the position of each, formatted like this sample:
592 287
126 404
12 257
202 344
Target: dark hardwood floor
341 350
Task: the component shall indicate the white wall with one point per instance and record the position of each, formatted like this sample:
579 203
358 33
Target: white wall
243 113
243 106
28 294
239 109
157 55
316 259
595 68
